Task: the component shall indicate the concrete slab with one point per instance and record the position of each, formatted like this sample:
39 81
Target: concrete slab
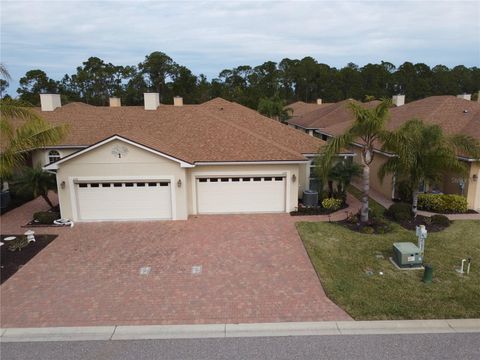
465 325
394 327
169 332
58 334
282 329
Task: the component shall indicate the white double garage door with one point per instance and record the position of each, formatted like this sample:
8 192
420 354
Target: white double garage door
152 200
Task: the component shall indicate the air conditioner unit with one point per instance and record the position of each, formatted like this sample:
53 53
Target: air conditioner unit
407 254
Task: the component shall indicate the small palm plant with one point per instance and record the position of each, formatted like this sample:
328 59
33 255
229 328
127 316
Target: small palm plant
342 173
37 182
425 154
368 128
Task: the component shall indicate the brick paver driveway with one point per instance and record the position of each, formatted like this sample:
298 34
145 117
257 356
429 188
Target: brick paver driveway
254 269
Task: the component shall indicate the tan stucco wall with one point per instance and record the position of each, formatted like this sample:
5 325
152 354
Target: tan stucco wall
473 187
449 185
384 187
101 163
40 156
288 170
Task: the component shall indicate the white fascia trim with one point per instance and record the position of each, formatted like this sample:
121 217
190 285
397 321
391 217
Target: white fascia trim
54 166
338 154
302 127
286 162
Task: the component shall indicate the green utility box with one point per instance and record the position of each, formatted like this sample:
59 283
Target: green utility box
407 254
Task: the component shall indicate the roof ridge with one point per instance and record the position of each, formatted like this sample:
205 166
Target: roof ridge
256 135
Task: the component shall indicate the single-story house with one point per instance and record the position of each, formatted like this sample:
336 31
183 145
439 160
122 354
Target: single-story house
162 161
456 115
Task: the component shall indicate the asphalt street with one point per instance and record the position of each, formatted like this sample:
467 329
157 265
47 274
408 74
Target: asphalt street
461 346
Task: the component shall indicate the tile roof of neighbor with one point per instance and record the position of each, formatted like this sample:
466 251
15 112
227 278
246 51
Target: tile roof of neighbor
300 108
217 130
454 115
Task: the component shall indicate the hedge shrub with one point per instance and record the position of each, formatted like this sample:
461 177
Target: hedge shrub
442 203
46 217
400 212
331 203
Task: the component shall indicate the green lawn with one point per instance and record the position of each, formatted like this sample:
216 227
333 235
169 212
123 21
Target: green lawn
341 257
372 204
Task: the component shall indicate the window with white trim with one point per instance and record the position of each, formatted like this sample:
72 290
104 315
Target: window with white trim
53 155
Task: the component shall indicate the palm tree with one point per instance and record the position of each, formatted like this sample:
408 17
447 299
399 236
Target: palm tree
342 173
367 128
27 132
273 108
425 154
37 182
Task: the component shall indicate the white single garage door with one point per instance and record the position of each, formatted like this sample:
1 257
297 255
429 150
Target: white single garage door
242 194
124 200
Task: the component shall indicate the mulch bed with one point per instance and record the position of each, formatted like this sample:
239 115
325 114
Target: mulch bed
37 224
12 261
420 220
379 227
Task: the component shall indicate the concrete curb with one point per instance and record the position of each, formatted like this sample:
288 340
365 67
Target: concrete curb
239 330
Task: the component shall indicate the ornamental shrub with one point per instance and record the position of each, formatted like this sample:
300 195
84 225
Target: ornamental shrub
442 203
332 203
400 212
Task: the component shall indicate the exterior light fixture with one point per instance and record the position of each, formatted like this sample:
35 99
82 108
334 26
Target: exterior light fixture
62 184
294 178
179 183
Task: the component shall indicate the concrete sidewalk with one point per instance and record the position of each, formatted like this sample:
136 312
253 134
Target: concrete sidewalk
239 330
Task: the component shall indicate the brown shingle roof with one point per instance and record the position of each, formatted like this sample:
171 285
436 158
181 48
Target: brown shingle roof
214 131
453 115
327 116
300 108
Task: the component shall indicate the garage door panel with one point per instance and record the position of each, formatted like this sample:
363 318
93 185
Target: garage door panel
238 195
115 201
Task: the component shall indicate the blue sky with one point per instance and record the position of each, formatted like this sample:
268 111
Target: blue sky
208 36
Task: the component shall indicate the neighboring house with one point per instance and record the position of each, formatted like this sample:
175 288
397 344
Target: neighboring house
456 115
167 162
